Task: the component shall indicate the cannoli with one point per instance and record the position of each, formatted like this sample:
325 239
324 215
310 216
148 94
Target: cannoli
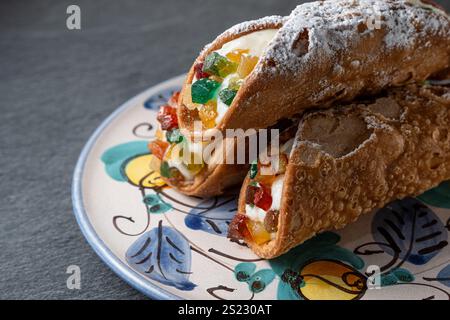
344 162
260 72
323 52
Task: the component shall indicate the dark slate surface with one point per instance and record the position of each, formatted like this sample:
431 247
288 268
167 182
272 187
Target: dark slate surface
56 87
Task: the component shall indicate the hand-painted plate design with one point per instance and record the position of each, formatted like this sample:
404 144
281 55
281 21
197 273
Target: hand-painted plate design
170 246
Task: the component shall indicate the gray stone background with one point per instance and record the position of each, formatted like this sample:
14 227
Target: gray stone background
56 86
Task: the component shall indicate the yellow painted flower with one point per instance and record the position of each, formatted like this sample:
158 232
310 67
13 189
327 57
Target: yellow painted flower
331 280
141 172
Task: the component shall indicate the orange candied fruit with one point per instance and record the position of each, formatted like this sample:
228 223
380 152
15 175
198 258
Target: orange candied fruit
173 101
158 148
265 176
242 228
258 232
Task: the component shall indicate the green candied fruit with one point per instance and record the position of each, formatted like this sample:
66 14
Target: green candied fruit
218 65
254 184
174 136
203 90
253 169
227 96
165 169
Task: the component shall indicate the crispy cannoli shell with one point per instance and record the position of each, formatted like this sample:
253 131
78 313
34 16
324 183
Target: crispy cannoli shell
350 160
325 52
212 182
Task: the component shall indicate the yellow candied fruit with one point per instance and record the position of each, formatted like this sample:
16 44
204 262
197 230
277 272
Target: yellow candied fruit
258 232
195 168
235 55
187 99
208 114
246 65
193 163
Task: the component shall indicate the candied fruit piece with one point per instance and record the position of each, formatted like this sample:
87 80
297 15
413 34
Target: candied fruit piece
165 169
263 198
218 65
238 229
158 148
203 90
264 175
235 55
192 159
187 99
208 114
167 117
173 152
266 179
227 96
173 101
235 83
195 168
169 172
250 194
174 136
199 73
253 169
246 65
259 234
242 228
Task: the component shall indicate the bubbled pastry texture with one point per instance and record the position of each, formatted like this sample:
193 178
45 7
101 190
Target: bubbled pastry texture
336 50
406 151
325 52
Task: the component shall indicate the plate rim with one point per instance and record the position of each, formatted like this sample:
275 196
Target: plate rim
120 268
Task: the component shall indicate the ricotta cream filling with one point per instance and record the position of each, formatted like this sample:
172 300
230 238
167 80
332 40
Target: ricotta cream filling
258 214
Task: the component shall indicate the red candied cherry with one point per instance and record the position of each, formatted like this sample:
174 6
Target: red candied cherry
263 198
167 117
199 73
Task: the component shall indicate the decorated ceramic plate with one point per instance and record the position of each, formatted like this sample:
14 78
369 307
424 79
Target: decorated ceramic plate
170 246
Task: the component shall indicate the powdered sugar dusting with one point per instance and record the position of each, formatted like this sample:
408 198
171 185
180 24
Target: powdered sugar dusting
335 25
